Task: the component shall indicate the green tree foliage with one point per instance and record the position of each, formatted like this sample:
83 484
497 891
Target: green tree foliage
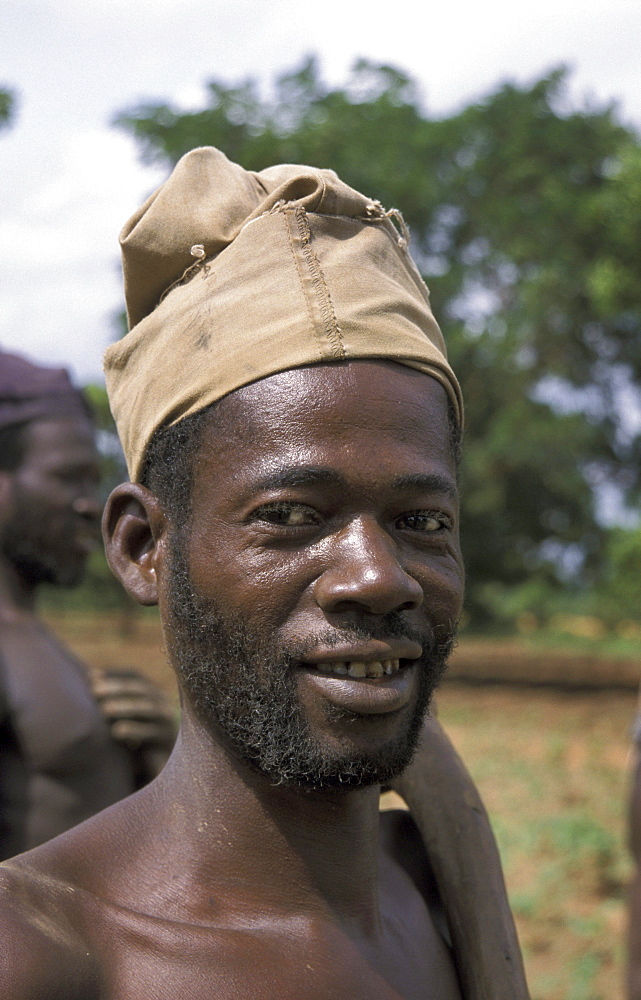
524 216
620 590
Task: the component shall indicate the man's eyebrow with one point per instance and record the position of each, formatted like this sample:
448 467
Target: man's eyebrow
431 482
304 475
314 475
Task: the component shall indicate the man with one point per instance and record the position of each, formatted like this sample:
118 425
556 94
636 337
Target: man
291 425
59 760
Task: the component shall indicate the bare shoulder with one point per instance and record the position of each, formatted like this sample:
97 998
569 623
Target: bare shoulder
24 644
44 955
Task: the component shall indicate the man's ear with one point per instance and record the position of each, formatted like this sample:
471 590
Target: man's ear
134 528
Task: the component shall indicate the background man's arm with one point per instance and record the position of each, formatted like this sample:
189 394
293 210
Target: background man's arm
140 716
14 781
462 850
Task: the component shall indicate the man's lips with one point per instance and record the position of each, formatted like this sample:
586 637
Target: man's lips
374 658
365 678
84 543
83 534
372 688
373 669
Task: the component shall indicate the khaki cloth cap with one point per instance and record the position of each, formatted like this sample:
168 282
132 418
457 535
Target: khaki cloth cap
232 276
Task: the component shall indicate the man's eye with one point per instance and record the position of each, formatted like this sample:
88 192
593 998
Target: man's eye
287 515
428 521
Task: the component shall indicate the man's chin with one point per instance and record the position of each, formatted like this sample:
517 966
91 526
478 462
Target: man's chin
36 570
301 762
69 580
64 579
357 773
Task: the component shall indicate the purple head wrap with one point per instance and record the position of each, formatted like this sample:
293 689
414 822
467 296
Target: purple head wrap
31 392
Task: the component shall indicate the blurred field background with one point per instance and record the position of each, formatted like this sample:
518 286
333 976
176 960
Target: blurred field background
550 759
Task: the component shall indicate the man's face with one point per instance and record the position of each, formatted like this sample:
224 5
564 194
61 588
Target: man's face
316 589
53 511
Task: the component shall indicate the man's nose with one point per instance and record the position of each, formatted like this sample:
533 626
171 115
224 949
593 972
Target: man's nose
88 506
365 572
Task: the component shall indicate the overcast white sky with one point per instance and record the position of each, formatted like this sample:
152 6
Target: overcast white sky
68 181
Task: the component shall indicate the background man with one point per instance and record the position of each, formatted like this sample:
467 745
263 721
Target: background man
291 426
59 760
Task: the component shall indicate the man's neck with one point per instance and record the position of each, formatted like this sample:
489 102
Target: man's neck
270 848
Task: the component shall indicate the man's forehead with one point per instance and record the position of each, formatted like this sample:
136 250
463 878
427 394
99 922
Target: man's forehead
330 416
47 439
384 389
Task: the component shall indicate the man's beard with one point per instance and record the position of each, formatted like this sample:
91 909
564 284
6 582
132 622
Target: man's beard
242 687
30 552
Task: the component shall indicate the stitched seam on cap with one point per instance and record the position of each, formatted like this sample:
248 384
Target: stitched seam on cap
330 323
287 217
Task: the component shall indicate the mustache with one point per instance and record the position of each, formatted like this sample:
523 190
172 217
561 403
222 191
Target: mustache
390 626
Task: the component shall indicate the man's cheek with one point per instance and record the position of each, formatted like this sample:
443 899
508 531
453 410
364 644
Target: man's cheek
262 597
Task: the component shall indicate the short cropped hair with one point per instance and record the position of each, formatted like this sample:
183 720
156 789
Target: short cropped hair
168 469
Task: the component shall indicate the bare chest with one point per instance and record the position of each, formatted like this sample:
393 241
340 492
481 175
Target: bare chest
295 959
49 698
55 738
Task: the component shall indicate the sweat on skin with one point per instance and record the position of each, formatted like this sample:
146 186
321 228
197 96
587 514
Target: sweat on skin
319 530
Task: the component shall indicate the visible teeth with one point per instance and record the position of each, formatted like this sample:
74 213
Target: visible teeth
358 668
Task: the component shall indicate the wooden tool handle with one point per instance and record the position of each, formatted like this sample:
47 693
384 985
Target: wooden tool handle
462 850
